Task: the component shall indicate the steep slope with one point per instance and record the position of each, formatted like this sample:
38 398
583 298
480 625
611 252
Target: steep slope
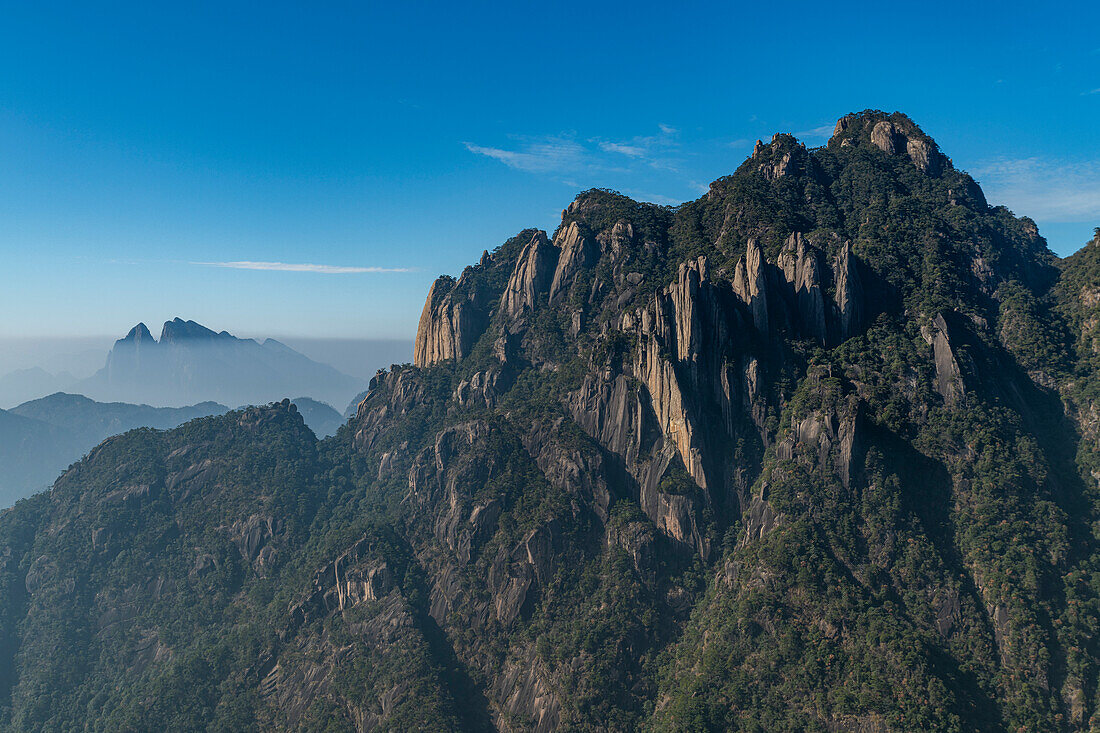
191 363
176 571
814 452
837 363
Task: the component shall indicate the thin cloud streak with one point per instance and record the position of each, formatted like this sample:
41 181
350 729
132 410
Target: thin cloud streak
634 151
824 132
542 155
658 167
300 267
565 155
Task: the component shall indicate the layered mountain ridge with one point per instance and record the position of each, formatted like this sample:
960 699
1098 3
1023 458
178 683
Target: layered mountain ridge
42 437
817 451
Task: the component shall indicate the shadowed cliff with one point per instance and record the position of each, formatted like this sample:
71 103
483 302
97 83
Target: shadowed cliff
817 451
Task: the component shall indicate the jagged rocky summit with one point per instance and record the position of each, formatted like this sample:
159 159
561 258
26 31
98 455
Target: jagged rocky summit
817 451
191 363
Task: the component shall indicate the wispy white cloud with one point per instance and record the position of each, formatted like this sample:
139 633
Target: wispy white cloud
566 155
824 132
1045 190
300 267
546 154
655 167
660 151
634 151
1091 91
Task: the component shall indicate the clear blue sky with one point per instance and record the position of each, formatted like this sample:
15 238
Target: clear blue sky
139 140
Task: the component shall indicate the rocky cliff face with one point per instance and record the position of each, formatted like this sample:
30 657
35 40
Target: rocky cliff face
449 324
703 392
775 459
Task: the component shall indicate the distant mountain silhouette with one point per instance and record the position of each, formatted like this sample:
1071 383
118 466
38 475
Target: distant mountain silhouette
93 421
32 454
39 439
321 418
191 363
353 406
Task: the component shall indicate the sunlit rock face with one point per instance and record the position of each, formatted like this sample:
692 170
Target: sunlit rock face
813 452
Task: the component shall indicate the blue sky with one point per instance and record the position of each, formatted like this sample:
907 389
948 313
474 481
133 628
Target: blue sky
384 144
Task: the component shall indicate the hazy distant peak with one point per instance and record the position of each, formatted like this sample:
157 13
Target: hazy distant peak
60 398
178 329
192 363
139 334
270 343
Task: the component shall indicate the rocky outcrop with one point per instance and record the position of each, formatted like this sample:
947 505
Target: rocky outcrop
532 277
799 266
356 575
578 253
254 538
676 515
578 470
848 296
616 412
481 389
750 284
454 317
793 294
907 140
948 381
681 373
760 519
672 326
525 693
828 439
444 478
311 671
517 573
886 137
782 157
925 155
638 541
392 394
843 124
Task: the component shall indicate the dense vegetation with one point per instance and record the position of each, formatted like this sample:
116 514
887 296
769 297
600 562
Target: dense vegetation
591 524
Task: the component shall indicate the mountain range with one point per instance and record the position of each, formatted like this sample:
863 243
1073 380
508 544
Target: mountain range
191 363
40 438
817 451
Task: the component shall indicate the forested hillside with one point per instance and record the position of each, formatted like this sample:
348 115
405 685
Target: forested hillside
817 451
